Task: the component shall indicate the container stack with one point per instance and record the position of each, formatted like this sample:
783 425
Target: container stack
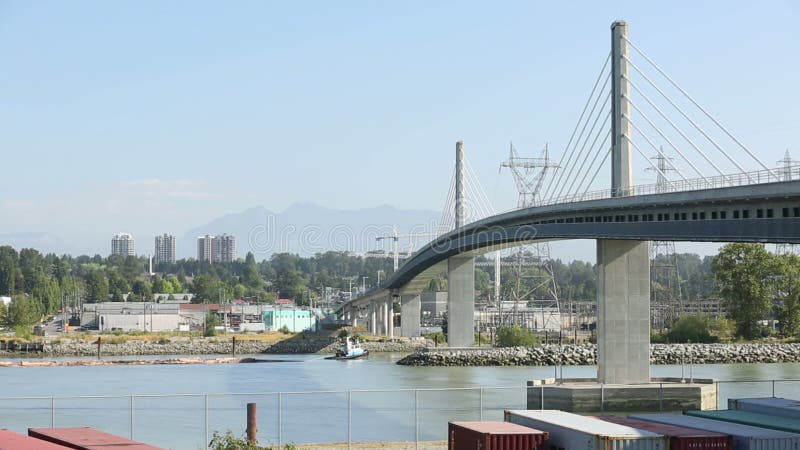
779 407
678 438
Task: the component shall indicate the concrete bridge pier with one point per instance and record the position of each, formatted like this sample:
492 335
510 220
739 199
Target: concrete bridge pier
461 301
623 312
390 317
410 308
373 320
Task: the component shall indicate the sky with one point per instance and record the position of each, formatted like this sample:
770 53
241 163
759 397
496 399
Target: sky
154 116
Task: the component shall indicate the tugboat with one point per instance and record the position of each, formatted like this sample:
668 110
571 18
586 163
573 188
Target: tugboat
350 350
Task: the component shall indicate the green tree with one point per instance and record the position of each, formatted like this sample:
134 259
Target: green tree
788 289
691 328
23 312
8 270
515 336
250 276
211 321
97 287
743 272
47 293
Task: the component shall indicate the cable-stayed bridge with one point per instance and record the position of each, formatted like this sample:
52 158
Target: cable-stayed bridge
716 189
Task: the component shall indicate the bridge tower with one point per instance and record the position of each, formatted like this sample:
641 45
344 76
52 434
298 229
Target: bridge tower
460 273
623 278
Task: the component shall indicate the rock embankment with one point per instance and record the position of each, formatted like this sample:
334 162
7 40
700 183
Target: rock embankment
578 355
205 346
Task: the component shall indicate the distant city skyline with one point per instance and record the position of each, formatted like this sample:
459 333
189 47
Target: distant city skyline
217 109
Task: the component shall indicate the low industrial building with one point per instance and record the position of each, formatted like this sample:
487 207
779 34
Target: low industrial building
294 320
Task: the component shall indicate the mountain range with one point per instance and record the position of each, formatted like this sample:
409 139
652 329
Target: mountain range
303 228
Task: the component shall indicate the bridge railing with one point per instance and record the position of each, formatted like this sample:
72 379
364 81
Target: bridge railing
786 173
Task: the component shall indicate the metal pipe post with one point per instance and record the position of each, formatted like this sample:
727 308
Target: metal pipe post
252 423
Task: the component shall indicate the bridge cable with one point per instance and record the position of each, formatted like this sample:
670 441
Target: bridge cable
564 167
649 160
602 163
594 142
447 212
580 119
569 163
663 116
669 141
657 148
583 178
483 199
691 99
686 116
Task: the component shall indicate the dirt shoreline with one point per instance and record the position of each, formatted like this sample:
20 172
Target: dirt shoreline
134 362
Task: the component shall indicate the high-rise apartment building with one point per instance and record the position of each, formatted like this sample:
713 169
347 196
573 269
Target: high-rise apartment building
220 248
122 244
205 248
224 248
164 249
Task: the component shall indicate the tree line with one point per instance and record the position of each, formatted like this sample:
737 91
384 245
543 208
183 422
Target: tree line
755 284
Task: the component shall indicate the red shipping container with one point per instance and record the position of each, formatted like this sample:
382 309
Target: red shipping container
680 438
10 440
493 436
85 438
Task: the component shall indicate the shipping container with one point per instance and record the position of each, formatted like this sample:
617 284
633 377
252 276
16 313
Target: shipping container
574 432
751 418
774 406
745 437
85 438
493 436
10 440
678 438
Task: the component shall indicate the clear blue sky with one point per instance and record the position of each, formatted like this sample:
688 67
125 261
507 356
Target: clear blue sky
158 116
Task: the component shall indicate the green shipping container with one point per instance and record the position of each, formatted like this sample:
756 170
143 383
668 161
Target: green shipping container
750 418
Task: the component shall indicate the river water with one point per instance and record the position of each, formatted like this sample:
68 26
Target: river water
176 406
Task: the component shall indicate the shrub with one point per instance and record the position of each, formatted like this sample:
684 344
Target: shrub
228 441
437 337
284 329
343 333
515 336
691 328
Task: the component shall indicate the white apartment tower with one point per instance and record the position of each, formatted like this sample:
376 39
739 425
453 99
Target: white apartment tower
122 244
220 248
164 249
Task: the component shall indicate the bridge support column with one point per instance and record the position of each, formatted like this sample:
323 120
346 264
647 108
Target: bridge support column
354 318
461 301
381 322
623 312
410 307
390 317
373 325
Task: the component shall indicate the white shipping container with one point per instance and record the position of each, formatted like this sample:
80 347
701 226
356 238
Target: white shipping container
781 407
574 432
745 437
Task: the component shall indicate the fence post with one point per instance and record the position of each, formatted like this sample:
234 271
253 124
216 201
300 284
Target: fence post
481 405
661 397
349 418
280 419
53 411
416 418
773 388
205 421
716 392
602 397
131 414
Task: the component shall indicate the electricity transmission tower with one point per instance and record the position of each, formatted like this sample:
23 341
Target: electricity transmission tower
789 166
533 283
666 303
